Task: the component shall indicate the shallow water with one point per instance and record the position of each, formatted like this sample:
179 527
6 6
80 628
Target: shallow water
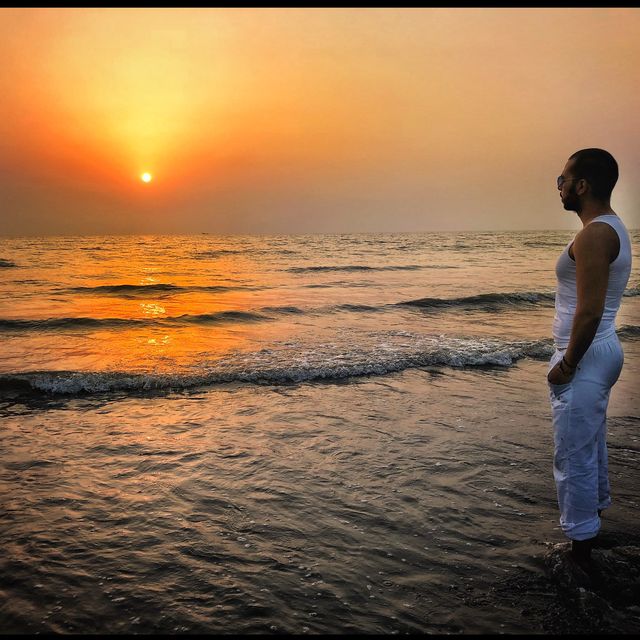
355 471
371 505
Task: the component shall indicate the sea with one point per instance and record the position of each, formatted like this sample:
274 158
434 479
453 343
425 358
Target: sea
305 434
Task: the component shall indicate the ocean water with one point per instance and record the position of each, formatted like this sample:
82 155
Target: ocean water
298 434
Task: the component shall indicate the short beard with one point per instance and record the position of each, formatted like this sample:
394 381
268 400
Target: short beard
572 202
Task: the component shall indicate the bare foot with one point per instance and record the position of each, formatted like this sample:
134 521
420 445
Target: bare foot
581 552
571 571
577 570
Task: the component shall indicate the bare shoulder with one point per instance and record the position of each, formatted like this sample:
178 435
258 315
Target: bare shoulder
598 238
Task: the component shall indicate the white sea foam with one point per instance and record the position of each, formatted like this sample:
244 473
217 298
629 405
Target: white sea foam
294 363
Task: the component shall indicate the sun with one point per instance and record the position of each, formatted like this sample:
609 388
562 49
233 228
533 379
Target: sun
146 177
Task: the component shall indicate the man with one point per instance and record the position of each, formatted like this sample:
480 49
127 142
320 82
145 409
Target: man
592 274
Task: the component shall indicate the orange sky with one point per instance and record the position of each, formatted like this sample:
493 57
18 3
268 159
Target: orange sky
309 120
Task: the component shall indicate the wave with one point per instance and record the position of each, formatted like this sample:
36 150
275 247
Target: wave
231 316
628 332
494 301
63 323
486 301
52 324
357 307
285 310
5 264
543 244
218 317
130 289
253 251
341 283
217 253
293 363
489 302
354 267
135 290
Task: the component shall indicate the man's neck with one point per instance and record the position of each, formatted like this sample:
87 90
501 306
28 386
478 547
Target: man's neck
593 209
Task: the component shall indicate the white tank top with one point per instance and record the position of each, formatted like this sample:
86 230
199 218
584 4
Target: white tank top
566 296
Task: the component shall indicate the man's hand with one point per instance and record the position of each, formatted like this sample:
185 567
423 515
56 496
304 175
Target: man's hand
560 374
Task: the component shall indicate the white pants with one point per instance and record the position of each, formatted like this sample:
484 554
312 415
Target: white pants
579 433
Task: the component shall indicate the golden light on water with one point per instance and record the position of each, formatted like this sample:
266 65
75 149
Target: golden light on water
152 309
146 177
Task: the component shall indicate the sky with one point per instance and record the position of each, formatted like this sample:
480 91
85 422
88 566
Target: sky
325 120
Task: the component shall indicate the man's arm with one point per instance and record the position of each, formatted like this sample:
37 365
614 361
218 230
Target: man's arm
594 248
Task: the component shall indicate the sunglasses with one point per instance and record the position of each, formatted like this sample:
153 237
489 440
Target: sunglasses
560 180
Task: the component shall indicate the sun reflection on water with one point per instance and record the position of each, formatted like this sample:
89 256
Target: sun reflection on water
152 309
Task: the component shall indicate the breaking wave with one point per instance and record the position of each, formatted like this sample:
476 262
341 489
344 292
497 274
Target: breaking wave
293 364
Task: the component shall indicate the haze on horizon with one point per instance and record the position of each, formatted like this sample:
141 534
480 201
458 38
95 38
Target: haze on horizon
274 121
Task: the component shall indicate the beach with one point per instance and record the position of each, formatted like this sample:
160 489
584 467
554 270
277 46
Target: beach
342 434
